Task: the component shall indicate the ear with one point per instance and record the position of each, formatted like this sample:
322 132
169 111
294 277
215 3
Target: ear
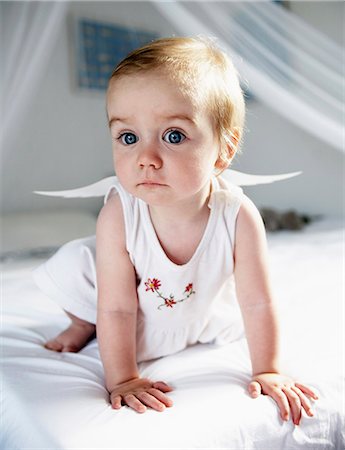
221 165
229 144
233 141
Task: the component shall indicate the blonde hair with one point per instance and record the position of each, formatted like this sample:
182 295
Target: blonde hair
205 74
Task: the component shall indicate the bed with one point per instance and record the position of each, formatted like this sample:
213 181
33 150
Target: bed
58 400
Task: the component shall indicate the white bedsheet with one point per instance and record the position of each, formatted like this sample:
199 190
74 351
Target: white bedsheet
58 401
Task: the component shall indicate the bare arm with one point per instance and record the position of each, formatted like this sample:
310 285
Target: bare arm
117 297
254 291
117 306
260 318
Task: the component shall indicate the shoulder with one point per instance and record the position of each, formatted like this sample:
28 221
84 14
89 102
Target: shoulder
250 227
248 214
110 222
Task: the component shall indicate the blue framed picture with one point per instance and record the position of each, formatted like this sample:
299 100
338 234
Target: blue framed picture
100 47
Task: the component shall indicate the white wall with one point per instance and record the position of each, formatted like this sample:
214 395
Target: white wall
64 142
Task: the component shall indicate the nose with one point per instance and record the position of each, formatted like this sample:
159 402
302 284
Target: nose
149 157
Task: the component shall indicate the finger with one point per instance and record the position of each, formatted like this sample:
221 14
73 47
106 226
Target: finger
280 398
295 404
116 402
162 386
160 396
254 389
306 390
134 403
304 401
151 401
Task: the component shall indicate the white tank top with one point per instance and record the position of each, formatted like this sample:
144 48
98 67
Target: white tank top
181 305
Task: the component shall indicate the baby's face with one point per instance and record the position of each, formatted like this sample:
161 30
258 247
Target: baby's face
164 148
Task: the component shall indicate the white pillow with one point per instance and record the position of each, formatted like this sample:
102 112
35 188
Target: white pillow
24 232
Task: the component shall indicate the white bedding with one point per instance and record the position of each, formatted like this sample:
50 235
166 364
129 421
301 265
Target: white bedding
58 401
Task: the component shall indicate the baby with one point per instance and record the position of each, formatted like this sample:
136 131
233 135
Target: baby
180 255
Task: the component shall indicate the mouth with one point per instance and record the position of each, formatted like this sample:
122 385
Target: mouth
151 183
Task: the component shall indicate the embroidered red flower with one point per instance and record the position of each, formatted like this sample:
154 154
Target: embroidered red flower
189 287
152 285
169 302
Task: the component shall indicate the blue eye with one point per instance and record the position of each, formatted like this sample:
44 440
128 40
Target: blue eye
128 138
174 137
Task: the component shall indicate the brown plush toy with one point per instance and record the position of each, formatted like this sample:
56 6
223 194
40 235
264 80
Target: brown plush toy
289 220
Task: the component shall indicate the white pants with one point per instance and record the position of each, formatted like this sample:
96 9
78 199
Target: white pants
69 278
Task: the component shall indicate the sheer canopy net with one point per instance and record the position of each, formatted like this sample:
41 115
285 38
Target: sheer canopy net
283 62
29 31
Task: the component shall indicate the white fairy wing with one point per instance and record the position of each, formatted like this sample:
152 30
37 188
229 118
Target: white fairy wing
100 188
247 179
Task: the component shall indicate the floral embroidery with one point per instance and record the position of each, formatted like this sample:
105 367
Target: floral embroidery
189 287
169 302
154 284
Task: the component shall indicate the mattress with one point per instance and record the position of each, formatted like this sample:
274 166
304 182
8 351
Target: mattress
58 400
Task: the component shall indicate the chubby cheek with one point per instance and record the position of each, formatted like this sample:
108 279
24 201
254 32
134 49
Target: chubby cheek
121 168
193 174
121 161
201 163
115 161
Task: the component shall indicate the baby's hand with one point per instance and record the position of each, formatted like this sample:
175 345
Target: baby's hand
287 394
139 393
